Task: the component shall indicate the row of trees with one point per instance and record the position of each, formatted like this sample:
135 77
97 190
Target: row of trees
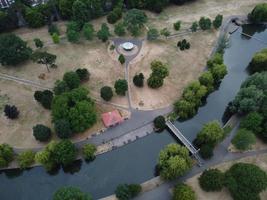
196 92
244 181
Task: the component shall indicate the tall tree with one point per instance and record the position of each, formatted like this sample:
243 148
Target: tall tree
44 58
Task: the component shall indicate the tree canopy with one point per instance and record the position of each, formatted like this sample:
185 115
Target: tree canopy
134 21
183 192
244 139
259 13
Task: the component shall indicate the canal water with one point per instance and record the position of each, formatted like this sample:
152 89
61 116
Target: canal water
135 163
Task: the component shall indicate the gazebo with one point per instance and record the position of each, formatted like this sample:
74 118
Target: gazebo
112 118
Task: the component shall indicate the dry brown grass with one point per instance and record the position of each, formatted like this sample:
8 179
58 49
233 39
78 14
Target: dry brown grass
260 160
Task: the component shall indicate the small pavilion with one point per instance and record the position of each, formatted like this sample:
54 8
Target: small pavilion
112 118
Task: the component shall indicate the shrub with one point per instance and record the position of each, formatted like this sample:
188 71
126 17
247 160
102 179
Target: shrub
44 97
11 112
155 82
73 36
152 34
63 129
259 13
177 25
72 79
106 93
121 59
70 193
183 192
217 22
55 38
41 132
89 152
245 181
165 32
253 122
183 44
6 155
83 74
244 139
53 29
206 151
159 123
138 80
211 180
65 152
174 161
194 27
38 43
13 50
26 159
127 191
204 23
88 31
121 86
119 29
103 34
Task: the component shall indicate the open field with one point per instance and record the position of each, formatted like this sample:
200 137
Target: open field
260 160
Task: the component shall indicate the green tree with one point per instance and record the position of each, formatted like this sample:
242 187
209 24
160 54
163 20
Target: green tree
218 72
194 27
13 50
83 74
106 93
258 62
211 133
138 80
159 69
253 122
206 151
26 159
38 43
70 193
44 58
63 129
185 109
134 21
65 8
244 139
80 12
11 112
127 191
217 22
177 25
245 181
165 32
44 97
89 151
41 132
152 34
121 59
174 161
183 192
103 34
73 36
259 13
121 86
211 180
207 80
55 38
64 152
34 18
6 155
159 123
119 29
72 79
155 82
204 23
88 31
60 87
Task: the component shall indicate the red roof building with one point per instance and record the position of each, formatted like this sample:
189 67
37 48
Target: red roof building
112 118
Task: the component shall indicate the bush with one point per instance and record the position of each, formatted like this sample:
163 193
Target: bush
259 13
103 34
245 181
152 34
217 22
174 161
44 97
53 29
73 36
243 139
26 159
155 82
89 152
65 152
121 59
165 32
72 79
159 123
204 23
70 193
88 31
106 93
127 191
63 129
38 43
11 112
253 122
194 27
183 192
55 38
177 25
41 132
138 80
206 151
121 86
211 180
183 45
6 155
13 50
83 74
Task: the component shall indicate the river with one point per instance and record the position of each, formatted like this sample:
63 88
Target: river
135 162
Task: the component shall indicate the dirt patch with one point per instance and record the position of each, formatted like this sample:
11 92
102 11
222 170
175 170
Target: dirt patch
260 160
